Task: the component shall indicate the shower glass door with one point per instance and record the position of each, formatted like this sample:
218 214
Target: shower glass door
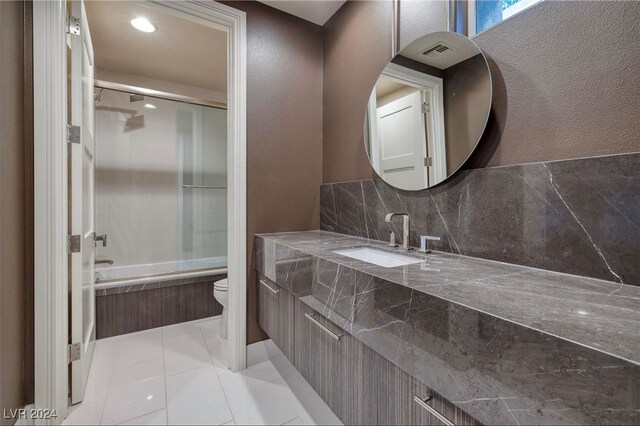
161 177
202 144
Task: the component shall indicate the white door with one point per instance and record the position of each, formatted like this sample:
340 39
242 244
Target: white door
402 142
81 202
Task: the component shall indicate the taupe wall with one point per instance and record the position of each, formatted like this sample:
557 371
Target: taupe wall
565 74
466 89
15 216
357 46
284 130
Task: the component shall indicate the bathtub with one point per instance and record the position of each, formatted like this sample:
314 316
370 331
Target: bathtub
115 276
140 297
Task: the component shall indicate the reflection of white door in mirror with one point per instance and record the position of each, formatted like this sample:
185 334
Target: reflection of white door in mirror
400 87
401 142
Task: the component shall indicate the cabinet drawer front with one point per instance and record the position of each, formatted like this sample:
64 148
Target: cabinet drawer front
404 400
319 355
360 402
275 314
339 367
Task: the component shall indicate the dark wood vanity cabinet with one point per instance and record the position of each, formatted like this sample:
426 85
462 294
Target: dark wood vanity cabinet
276 315
338 367
403 400
359 385
320 356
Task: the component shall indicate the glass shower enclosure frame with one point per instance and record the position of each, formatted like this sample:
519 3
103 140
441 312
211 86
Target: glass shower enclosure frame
161 184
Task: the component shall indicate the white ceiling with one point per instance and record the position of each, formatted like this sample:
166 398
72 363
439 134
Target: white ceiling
180 51
316 11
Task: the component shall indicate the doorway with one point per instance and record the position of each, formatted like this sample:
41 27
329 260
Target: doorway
53 244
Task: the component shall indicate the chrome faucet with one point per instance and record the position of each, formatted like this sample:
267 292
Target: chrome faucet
99 261
405 227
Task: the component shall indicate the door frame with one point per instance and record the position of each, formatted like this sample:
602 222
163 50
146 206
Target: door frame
50 189
435 86
50 206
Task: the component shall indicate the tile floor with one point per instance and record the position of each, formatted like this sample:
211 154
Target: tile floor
177 375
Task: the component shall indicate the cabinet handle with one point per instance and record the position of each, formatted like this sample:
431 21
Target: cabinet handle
272 290
323 328
423 403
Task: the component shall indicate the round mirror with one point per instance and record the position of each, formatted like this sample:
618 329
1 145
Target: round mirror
427 111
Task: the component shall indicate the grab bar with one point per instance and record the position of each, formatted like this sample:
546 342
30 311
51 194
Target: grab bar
323 328
203 187
423 403
272 290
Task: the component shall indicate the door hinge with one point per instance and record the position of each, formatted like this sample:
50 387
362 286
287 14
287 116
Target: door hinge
73 133
73 243
73 352
425 108
73 25
428 161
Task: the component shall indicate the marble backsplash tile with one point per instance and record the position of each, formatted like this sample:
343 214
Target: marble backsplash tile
578 216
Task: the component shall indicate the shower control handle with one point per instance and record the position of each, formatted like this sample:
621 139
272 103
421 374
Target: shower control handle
100 238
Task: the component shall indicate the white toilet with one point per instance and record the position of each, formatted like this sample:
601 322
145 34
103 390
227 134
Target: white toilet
220 289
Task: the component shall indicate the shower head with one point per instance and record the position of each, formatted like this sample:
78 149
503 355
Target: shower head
134 123
136 98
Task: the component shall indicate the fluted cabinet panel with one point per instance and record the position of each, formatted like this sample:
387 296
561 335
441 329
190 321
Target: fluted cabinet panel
396 392
131 308
320 358
360 402
275 314
341 371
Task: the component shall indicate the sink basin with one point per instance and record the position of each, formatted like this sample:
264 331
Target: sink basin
378 257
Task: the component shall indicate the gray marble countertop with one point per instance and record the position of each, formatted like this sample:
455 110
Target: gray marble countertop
601 315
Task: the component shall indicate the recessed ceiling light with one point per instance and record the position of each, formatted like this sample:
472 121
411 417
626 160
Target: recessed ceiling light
144 25
150 106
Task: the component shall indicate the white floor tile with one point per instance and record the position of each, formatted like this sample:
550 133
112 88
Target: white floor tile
86 413
137 372
296 421
230 423
128 374
210 326
262 351
256 396
306 402
196 397
100 374
180 329
134 348
185 353
256 353
156 418
217 348
135 400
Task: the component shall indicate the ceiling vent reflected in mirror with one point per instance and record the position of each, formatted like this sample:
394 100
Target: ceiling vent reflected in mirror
436 51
